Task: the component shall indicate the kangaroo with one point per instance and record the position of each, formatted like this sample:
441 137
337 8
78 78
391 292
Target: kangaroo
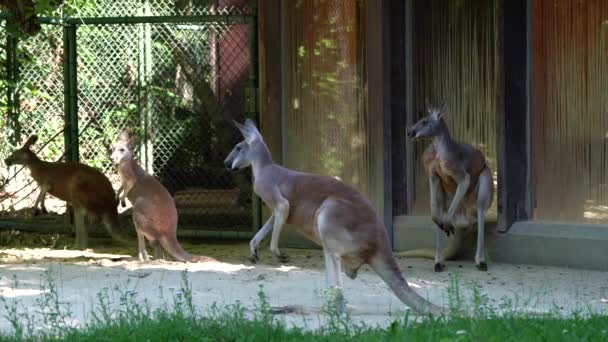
154 212
461 187
87 189
335 216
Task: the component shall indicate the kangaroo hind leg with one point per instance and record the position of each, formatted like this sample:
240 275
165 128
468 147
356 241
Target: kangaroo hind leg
338 246
484 199
142 254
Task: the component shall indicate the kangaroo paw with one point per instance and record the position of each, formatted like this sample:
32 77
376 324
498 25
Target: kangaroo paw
482 266
439 267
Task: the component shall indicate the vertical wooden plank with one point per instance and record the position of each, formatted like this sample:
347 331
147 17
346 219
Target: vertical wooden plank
269 57
398 104
409 102
379 108
269 69
513 113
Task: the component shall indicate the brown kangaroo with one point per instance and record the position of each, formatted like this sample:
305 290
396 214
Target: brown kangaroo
87 189
154 212
461 186
328 212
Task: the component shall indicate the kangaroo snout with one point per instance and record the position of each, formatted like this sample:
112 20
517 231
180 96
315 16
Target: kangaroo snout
8 162
228 166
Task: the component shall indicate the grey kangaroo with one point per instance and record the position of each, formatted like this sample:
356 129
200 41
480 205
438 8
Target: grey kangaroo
154 212
87 189
328 212
461 186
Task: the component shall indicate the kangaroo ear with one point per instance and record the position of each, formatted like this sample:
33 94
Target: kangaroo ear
248 130
250 124
128 137
30 141
444 107
428 105
124 135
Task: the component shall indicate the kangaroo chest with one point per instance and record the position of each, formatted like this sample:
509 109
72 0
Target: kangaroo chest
433 163
445 168
128 179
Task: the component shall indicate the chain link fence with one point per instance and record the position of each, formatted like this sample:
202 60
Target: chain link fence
176 74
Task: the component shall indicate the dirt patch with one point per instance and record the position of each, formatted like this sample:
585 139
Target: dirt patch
81 275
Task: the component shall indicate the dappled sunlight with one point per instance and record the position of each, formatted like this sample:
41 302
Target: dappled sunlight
284 268
20 268
9 292
595 212
45 253
212 266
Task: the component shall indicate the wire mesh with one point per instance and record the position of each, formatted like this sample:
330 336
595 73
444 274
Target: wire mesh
178 85
38 92
166 8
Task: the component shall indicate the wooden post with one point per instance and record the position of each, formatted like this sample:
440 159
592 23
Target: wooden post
269 66
378 52
514 162
399 99
269 57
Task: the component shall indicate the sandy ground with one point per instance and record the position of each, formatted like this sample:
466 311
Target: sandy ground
82 275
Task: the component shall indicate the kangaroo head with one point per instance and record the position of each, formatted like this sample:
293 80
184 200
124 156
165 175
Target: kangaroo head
123 148
243 154
430 125
24 155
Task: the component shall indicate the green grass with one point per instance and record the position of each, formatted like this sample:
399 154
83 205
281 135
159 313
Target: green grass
119 316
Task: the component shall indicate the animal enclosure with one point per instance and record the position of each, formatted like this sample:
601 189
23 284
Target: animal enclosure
175 73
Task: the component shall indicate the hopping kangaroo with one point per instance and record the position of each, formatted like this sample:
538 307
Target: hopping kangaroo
328 212
85 188
154 212
461 187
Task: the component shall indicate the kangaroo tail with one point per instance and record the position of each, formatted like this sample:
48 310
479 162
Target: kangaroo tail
386 267
172 246
110 221
425 253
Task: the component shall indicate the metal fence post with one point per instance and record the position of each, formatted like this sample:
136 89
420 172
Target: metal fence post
144 72
12 73
70 132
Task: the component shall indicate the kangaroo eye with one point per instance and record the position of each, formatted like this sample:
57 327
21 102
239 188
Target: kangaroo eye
238 148
121 150
425 121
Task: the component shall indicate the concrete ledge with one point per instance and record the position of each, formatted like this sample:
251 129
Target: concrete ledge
530 242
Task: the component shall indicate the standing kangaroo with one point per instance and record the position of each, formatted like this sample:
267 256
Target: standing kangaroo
328 212
87 189
154 212
461 186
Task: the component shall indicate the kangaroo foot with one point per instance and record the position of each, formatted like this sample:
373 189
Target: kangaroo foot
448 229
253 256
439 267
482 266
283 258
